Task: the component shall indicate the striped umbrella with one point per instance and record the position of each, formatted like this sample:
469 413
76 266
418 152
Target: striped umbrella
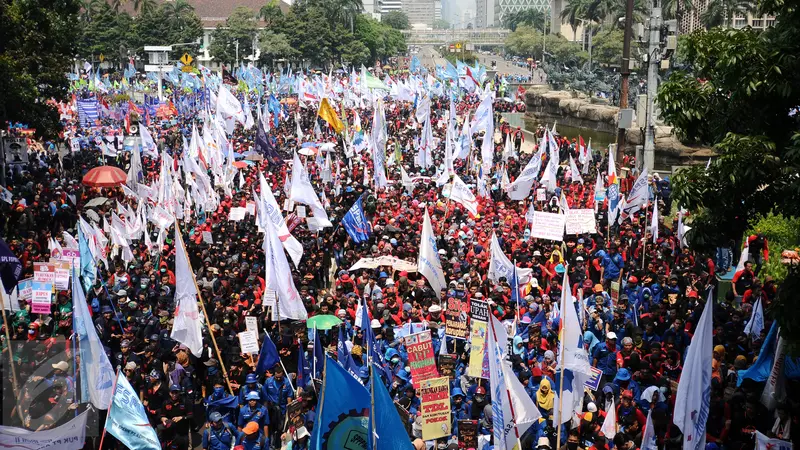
105 176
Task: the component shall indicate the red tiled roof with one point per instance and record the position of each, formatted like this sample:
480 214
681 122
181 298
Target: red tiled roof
214 12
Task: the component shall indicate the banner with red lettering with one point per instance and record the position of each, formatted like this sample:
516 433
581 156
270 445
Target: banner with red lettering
420 357
435 397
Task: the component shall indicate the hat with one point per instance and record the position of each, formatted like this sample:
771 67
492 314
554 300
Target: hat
210 363
611 335
130 366
588 416
591 407
61 365
106 309
457 391
215 417
623 375
598 288
251 378
579 259
627 393
250 428
357 350
537 253
543 443
435 309
174 388
633 280
252 395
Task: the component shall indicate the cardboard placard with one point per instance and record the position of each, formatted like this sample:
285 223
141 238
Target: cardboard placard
301 211
62 271
548 226
270 298
237 214
292 221
435 397
208 238
468 433
420 357
251 324
479 310
579 221
294 413
25 288
541 195
614 291
250 207
477 350
593 383
248 342
456 318
44 272
447 365
41 297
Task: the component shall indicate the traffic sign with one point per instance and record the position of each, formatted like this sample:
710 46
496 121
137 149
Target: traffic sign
187 68
458 45
186 59
102 57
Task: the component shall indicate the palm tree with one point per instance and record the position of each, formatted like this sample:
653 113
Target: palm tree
675 9
720 13
573 13
145 6
177 10
90 8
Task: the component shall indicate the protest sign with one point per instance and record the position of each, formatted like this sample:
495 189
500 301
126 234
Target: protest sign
593 383
44 272
479 318
270 298
292 221
407 329
435 397
420 357
456 318
250 207
248 342
580 221
70 436
548 226
468 433
479 310
237 214
294 412
61 278
251 324
74 145
541 195
385 260
614 291
447 365
405 416
301 211
208 238
25 288
41 297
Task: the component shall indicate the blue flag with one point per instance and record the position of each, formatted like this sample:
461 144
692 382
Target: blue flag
415 64
342 412
343 355
10 267
514 286
763 366
370 346
355 222
303 369
274 106
88 267
127 420
389 426
268 356
319 355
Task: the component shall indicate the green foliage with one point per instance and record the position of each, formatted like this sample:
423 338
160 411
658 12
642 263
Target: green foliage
527 42
782 233
607 47
440 24
532 17
240 27
465 57
37 43
720 13
396 19
274 46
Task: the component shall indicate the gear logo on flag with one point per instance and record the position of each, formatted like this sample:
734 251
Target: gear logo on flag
348 432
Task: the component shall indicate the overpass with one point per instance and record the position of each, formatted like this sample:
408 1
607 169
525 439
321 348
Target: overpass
486 36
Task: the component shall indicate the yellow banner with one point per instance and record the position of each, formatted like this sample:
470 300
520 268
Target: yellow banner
328 114
435 397
477 349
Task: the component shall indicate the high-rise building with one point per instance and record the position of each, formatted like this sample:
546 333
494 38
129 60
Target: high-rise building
485 13
505 7
386 6
419 12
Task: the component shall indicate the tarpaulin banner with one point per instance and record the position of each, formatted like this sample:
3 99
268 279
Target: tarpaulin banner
456 318
420 357
479 317
435 397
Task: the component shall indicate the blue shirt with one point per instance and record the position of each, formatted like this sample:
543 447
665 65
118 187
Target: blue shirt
261 442
277 393
257 414
221 439
606 359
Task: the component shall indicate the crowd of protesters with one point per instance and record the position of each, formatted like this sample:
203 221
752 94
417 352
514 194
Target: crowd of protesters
641 299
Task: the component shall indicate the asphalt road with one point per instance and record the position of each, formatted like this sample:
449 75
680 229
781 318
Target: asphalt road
429 56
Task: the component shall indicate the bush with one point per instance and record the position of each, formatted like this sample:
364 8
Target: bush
781 233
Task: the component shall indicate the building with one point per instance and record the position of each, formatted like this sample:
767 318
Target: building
692 20
371 8
485 13
758 23
437 10
420 12
505 7
385 6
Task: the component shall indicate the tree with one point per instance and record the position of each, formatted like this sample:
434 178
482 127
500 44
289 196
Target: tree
574 11
37 43
270 13
240 27
532 17
145 6
274 46
396 19
440 24
608 47
738 95
675 9
720 13
170 23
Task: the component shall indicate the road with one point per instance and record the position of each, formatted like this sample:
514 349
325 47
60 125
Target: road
429 56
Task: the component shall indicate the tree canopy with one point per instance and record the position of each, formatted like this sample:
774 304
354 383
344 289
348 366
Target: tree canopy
396 19
37 43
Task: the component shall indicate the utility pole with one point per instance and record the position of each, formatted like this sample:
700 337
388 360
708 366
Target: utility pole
653 64
625 72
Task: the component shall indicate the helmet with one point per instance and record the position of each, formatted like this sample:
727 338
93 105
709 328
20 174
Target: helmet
251 378
252 396
480 391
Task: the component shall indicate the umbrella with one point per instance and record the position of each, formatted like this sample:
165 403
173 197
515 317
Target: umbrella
98 201
242 164
307 151
92 215
253 156
105 176
323 322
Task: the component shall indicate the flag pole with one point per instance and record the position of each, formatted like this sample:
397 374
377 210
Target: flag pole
205 313
11 353
644 238
561 364
447 206
110 405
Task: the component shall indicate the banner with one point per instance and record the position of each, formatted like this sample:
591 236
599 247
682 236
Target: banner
593 383
61 277
435 397
127 420
456 318
468 433
420 357
580 221
41 297
478 364
407 329
548 226
765 443
447 365
44 272
25 288
70 436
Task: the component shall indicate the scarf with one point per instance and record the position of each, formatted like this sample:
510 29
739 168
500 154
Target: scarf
545 400
782 430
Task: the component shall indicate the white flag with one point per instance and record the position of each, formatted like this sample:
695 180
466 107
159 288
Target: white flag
649 434
573 168
765 443
149 147
693 399
428 263
188 327
268 209
501 266
654 223
521 187
775 389
279 276
756 323
229 106
638 196
575 357
303 192
609 427
460 192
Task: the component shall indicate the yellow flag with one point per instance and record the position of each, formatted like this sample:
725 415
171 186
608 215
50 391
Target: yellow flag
329 115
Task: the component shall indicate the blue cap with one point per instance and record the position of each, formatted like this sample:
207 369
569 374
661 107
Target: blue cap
252 395
215 417
106 309
457 391
403 375
174 388
623 375
560 268
363 372
251 378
